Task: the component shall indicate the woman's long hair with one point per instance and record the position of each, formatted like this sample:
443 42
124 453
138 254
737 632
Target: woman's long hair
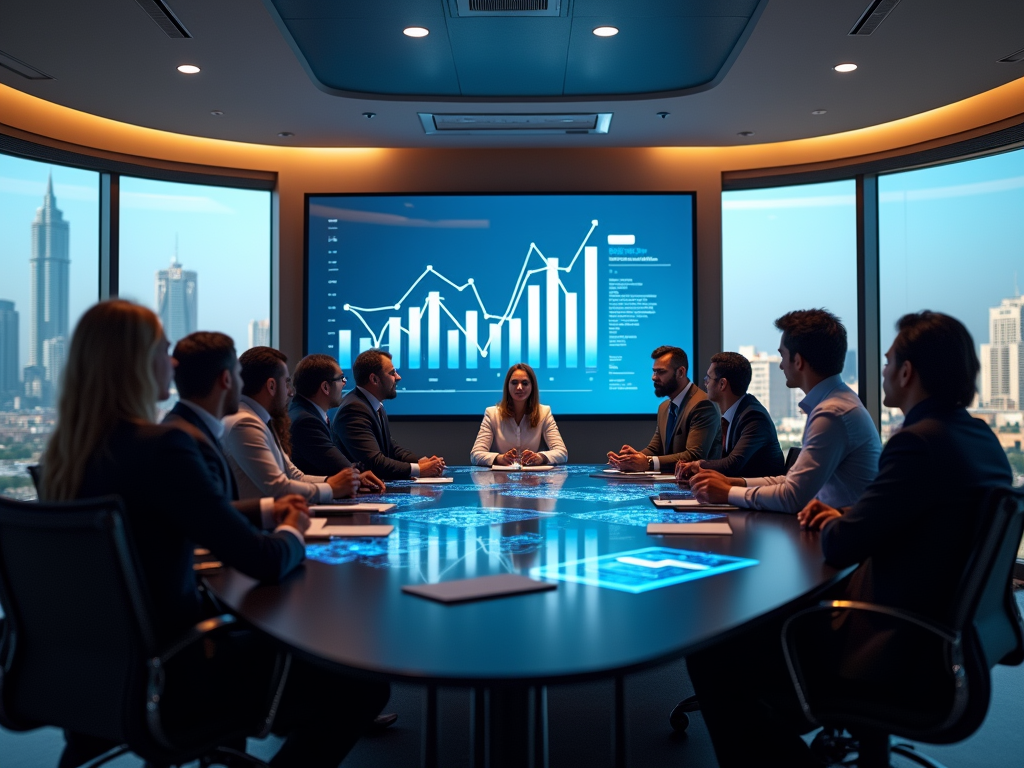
507 408
108 378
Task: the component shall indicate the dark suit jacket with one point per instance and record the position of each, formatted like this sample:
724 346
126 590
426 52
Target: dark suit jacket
173 505
697 434
357 432
752 448
313 451
185 418
913 527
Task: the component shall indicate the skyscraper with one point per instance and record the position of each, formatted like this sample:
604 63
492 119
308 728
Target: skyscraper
9 378
259 333
55 354
1002 359
50 264
768 384
177 300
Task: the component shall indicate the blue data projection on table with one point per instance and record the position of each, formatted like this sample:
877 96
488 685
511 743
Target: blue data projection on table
457 288
641 570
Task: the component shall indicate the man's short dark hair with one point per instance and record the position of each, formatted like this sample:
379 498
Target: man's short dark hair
311 372
678 360
942 352
202 357
817 336
368 362
258 365
734 368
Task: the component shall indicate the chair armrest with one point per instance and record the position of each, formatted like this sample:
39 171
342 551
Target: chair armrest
201 631
946 633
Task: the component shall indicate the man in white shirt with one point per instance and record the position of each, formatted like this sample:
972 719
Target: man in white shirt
259 462
689 425
840 451
207 376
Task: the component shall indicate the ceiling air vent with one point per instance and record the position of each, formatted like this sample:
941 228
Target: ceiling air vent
164 17
516 125
508 5
1013 58
876 13
20 67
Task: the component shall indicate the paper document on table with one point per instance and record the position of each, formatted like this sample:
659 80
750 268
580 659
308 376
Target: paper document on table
432 480
319 529
693 529
325 510
620 472
688 504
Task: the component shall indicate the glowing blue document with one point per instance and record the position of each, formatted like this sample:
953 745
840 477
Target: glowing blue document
641 570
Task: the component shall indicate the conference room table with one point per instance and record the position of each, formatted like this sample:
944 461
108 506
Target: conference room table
638 607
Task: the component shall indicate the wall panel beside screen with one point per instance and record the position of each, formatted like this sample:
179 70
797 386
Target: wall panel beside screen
459 287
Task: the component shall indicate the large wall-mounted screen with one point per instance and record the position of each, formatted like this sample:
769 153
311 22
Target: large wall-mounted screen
459 287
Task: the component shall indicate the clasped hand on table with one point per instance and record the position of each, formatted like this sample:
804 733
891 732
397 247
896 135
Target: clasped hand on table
527 459
629 459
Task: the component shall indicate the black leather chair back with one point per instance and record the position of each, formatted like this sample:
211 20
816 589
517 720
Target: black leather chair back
791 456
78 626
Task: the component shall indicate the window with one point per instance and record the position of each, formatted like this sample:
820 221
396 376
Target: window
199 256
49 275
787 248
950 240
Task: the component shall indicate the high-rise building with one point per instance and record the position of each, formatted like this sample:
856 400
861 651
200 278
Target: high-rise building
768 384
177 300
55 354
9 375
1002 359
259 333
49 305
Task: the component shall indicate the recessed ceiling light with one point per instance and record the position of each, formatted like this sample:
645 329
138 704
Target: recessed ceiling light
606 31
188 69
217 113
285 134
844 67
744 134
415 31
819 112
369 115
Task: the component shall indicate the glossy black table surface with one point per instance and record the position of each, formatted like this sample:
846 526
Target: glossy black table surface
345 606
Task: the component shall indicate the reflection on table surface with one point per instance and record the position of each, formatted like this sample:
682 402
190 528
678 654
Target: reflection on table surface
492 522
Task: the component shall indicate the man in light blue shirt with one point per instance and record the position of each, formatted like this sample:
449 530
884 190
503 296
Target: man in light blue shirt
840 451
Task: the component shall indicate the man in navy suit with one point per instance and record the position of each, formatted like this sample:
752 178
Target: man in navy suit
750 445
361 429
207 376
319 382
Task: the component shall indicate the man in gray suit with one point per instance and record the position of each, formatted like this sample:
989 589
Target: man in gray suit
689 425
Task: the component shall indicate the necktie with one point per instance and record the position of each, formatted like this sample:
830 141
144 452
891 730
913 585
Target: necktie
725 431
328 420
386 442
670 425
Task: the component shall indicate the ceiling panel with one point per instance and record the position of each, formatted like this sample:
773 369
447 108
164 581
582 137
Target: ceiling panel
509 56
648 54
373 56
639 8
408 11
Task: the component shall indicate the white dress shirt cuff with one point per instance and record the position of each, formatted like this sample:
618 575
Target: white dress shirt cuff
414 470
267 513
325 491
753 482
738 496
293 531
655 463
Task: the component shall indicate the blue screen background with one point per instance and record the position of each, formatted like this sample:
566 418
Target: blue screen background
468 259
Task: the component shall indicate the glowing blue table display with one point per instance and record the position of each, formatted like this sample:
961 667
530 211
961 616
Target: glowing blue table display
641 570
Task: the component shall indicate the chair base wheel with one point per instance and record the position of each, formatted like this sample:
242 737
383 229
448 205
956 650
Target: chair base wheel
908 751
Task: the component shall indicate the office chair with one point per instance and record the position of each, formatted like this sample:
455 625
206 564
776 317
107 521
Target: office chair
34 472
930 681
791 457
81 651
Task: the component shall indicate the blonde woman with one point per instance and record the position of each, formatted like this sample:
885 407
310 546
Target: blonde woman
106 443
514 429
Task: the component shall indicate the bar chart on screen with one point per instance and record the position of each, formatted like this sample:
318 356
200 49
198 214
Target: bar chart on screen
457 289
